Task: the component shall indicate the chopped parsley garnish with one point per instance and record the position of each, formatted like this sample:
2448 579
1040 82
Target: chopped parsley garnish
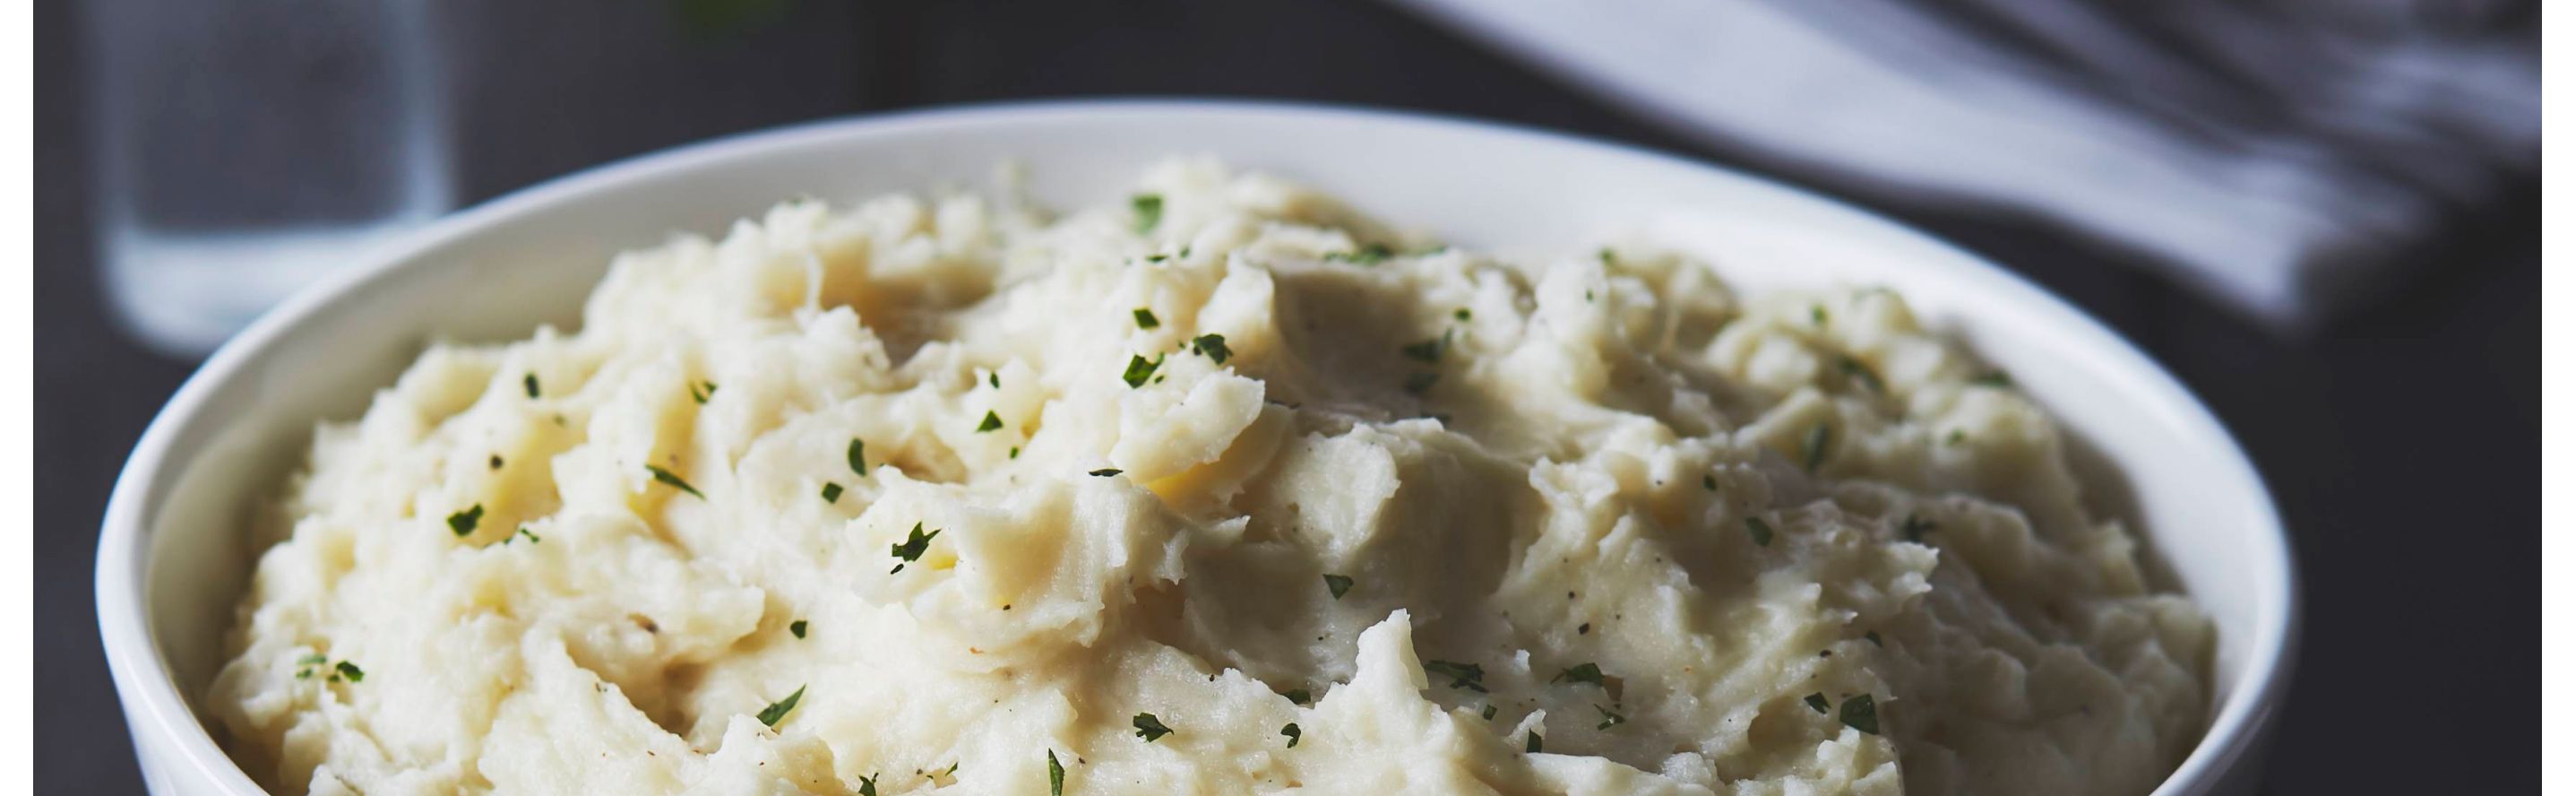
993 377
530 382
992 422
1337 584
778 710
1293 733
702 391
1429 350
1420 383
868 784
1708 482
1761 530
1149 728
913 546
796 628
1140 369
1812 449
1874 640
1817 701
666 477
1462 314
1300 696
345 670
1958 436
1993 378
1015 451
1532 745
1145 319
1608 719
1861 713
1366 254
1055 775
1149 211
1853 369
463 522
304 666
1106 472
1583 673
1211 346
523 531
1468 676
1607 256
496 461
1914 527
1816 313
831 492
1489 711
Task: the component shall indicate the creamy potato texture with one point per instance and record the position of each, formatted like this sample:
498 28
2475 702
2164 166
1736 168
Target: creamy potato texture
1223 489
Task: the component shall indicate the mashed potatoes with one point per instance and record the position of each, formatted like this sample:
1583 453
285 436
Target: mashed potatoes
1225 489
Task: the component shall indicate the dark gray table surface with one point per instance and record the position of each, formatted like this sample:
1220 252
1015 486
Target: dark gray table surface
2401 443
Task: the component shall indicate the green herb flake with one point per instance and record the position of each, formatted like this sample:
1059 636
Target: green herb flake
1337 584
1139 369
666 477
913 546
1468 676
1607 256
1429 350
1055 774
1015 451
1145 319
702 391
1874 640
993 377
1462 314
858 457
1300 696
1489 711
305 666
1581 673
463 522
1420 383
1366 254
523 531
1860 373
1761 530
1958 436
1106 472
868 784
1816 313
1708 482
796 628
778 710
1149 728
529 381
1817 701
1211 346
1914 527
831 492
1532 745
1292 732
1608 719
1149 211
1993 378
1812 449
1861 713
345 670
992 422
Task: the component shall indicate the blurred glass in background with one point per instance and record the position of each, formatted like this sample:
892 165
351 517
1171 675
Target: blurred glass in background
240 149
245 148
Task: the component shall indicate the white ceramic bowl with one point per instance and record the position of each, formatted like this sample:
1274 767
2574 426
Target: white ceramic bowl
173 558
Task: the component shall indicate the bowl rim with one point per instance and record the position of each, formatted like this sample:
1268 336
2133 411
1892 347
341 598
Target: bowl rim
158 713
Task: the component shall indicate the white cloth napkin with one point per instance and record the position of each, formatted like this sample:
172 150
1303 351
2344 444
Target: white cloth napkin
2279 157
